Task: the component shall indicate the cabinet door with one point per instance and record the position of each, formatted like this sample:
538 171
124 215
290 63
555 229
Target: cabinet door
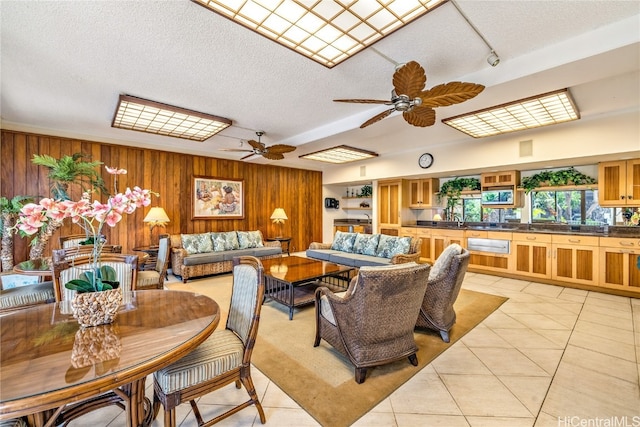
389 199
440 239
633 182
421 192
618 268
532 259
612 177
575 264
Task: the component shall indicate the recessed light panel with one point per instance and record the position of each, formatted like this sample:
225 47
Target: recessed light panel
327 31
163 119
340 154
541 110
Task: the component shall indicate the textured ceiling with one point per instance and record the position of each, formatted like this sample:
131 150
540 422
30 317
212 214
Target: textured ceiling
64 64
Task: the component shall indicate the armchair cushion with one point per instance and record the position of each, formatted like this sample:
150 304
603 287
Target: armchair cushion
197 243
388 246
366 244
27 295
225 241
343 241
444 260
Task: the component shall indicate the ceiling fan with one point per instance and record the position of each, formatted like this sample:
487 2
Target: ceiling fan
274 152
416 104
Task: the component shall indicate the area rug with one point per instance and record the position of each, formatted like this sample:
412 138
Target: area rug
319 378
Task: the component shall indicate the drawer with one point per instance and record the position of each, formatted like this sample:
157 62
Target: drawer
575 240
476 233
532 237
616 242
500 235
423 232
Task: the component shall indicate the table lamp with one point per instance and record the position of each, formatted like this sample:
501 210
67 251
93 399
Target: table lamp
156 217
278 217
437 217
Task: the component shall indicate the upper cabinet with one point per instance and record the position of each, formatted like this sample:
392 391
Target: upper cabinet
619 183
390 198
422 192
500 179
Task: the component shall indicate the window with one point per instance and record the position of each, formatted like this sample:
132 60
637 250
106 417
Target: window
570 206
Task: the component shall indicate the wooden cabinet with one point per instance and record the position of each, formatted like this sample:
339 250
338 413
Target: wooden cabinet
421 192
390 197
441 238
619 183
488 261
575 259
349 228
531 255
618 263
425 236
500 179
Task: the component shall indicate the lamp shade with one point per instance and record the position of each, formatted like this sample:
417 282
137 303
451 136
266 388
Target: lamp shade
279 215
156 216
437 217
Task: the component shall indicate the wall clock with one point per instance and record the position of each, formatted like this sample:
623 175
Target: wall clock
425 161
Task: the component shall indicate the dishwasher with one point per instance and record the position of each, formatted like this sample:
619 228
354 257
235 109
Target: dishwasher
495 246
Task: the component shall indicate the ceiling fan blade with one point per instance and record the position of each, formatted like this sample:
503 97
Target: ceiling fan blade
248 155
377 118
409 79
257 145
449 94
364 101
280 148
272 156
236 149
420 116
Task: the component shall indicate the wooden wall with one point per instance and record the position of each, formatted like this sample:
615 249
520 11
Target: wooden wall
266 187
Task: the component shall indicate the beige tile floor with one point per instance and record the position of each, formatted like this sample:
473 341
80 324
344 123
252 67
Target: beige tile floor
550 356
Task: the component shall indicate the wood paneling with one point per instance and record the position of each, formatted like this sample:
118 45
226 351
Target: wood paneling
298 191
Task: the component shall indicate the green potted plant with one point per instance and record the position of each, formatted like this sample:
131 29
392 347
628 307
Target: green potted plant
557 178
452 190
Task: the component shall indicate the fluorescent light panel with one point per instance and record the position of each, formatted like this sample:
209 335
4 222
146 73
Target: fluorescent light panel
327 31
541 110
163 119
340 154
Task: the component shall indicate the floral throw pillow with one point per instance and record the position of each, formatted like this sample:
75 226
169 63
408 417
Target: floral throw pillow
388 246
343 241
250 239
197 243
225 241
366 244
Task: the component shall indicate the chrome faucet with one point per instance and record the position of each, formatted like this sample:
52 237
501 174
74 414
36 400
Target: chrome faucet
458 220
368 218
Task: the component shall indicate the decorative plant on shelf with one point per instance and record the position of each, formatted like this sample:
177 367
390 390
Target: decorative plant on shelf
452 190
366 191
91 216
557 178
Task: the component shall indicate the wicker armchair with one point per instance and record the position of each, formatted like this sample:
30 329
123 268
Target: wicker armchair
445 280
373 323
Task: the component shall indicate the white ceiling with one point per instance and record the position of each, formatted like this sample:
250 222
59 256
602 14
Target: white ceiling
64 64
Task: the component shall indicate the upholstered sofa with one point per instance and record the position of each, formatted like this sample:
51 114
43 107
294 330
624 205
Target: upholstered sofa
201 254
359 250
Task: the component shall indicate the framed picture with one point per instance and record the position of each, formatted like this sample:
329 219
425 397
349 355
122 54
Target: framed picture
217 198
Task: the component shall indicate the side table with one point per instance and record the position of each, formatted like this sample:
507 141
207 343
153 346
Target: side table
282 240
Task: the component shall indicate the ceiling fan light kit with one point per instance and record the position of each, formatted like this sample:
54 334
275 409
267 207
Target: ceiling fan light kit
493 59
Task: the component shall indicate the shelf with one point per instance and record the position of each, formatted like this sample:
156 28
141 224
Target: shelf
356 197
346 208
564 187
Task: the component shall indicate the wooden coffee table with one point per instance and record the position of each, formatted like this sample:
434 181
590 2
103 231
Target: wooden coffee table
292 280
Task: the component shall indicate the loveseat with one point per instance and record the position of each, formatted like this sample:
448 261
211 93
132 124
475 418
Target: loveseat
201 254
359 250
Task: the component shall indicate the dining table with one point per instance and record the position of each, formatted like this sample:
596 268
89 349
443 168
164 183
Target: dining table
52 370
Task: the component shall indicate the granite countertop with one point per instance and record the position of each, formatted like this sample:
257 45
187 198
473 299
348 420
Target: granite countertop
583 230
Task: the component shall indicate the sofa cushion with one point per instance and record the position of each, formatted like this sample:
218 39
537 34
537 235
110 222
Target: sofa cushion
366 244
197 243
250 239
229 255
343 241
267 251
225 241
443 261
388 246
206 258
369 261
321 254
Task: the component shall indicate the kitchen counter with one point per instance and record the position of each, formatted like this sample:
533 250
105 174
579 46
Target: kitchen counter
366 223
584 230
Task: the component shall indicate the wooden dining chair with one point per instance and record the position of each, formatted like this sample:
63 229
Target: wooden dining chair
224 358
71 240
59 255
154 279
125 265
18 291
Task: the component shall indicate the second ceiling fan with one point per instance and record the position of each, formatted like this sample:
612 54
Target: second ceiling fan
273 152
416 104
